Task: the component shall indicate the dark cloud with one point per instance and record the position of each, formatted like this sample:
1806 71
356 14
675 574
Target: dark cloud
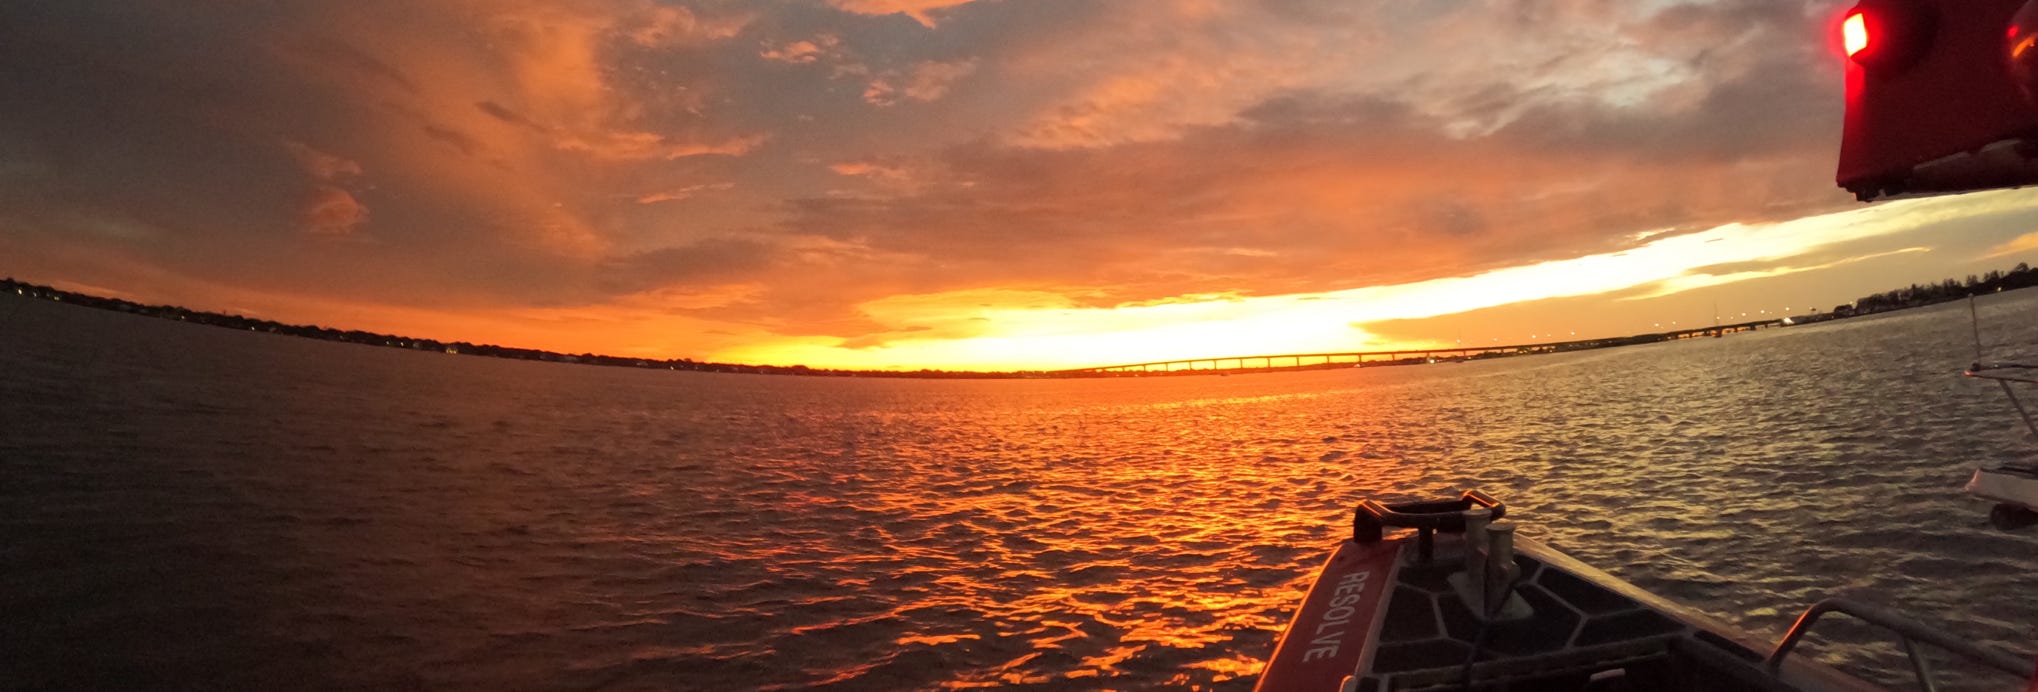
503 113
701 262
466 145
319 48
331 211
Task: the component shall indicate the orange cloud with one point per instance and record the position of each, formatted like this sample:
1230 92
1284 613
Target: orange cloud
333 212
802 52
642 146
922 11
479 125
320 165
681 193
328 209
2018 245
924 82
888 174
667 25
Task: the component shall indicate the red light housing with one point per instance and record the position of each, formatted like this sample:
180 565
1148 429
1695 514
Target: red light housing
1887 36
1942 96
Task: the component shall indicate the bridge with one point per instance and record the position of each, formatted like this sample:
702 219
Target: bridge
1362 359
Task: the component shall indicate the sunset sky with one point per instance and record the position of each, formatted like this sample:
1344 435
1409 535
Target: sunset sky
988 184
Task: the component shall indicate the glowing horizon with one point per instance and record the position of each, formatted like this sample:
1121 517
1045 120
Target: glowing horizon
1010 330
1065 337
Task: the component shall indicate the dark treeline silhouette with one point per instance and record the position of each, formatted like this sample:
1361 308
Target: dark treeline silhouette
171 312
1916 295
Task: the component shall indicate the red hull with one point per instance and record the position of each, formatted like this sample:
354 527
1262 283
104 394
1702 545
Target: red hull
1331 635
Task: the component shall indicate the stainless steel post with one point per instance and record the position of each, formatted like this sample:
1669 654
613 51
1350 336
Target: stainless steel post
1500 568
1476 521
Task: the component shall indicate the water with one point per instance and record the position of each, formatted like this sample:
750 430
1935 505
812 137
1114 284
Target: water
194 507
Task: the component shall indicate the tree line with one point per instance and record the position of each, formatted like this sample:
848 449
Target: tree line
1916 295
355 336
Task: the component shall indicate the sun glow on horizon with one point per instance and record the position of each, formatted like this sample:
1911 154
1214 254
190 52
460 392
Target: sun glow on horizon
1026 330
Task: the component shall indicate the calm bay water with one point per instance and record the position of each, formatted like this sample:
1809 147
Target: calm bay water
187 506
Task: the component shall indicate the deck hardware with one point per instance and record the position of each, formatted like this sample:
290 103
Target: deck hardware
1371 518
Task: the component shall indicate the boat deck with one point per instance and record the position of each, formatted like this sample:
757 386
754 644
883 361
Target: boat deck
1581 635
1585 631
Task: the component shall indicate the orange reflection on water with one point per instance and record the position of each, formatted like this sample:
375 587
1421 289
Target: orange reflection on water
933 639
1038 561
1142 535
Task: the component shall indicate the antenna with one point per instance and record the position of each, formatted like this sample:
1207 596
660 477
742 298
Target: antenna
1974 319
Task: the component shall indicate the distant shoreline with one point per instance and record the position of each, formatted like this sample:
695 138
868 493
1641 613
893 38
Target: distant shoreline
1901 299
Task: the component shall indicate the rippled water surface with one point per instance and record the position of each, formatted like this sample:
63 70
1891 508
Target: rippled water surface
192 506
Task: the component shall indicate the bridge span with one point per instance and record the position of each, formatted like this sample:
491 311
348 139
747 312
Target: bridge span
1360 359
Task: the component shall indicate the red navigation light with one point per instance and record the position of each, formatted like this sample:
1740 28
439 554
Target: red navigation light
1888 36
2020 46
1854 32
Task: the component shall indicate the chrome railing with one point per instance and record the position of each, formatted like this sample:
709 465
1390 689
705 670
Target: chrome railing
1909 633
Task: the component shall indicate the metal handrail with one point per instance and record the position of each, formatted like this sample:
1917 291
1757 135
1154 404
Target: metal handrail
1908 632
1984 371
